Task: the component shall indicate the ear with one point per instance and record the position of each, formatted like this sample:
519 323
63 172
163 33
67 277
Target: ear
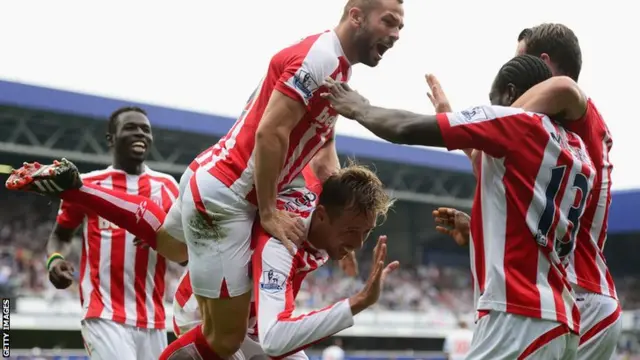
110 139
512 93
521 49
356 16
321 213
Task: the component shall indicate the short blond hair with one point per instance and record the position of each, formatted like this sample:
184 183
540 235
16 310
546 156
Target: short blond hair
355 187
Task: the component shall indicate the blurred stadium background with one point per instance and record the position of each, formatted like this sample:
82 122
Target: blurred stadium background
421 304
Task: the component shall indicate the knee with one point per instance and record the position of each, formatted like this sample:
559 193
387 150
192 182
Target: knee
225 341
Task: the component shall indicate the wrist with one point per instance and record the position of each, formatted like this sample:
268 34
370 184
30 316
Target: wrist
360 113
357 303
266 214
53 259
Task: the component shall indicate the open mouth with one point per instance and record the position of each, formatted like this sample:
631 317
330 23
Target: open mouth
381 49
139 147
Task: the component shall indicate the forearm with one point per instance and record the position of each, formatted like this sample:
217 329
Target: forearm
271 150
401 127
558 96
280 336
326 162
170 248
60 242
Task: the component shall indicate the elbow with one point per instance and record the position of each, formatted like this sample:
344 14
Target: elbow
273 344
270 135
566 88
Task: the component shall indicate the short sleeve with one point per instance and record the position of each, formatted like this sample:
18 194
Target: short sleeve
592 129
69 216
494 130
304 72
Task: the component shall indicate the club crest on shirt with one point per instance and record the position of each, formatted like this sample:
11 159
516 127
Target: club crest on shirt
272 281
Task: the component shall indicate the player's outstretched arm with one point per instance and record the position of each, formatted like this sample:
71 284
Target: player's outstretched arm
494 130
557 96
396 126
281 333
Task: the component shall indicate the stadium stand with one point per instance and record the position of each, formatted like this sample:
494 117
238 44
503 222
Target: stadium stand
421 303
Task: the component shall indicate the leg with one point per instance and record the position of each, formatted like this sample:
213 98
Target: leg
150 343
186 313
107 340
600 326
503 336
218 226
139 215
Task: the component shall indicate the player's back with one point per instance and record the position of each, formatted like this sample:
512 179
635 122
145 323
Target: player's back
587 267
120 281
531 198
297 72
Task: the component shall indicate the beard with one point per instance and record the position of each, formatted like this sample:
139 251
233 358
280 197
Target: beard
364 42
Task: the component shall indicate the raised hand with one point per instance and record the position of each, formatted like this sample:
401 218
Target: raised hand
347 102
436 95
370 294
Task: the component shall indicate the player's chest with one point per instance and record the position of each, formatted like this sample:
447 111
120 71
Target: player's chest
321 115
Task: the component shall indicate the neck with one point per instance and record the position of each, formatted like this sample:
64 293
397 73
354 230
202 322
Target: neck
130 167
346 41
313 239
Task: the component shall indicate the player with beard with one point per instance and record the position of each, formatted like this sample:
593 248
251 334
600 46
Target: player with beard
534 180
121 285
285 125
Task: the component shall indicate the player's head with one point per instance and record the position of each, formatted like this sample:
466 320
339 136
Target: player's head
516 77
129 134
375 26
556 44
351 202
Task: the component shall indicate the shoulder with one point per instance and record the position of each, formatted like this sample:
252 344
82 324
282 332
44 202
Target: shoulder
97 175
298 200
315 54
162 177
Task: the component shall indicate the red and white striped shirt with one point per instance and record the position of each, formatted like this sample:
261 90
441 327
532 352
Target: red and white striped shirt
118 280
534 180
297 72
588 268
277 279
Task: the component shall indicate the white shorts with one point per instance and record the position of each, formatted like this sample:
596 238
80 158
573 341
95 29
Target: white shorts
504 336
600 325
108 340
173 220
217 226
